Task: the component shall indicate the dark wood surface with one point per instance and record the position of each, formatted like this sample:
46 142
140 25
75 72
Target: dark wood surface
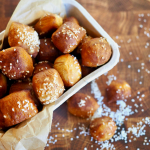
128 23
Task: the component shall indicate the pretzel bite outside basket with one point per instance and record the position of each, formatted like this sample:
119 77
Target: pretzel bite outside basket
102 128
16 63
95 52
68 68
3 85
47 51
118 90
24 85
48 24
17 107
67 37
41 66
82 105
48 86
71 19
24 36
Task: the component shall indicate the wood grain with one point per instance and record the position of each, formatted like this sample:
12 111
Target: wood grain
128 23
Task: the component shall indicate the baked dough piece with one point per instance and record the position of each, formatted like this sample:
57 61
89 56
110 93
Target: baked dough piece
41 66
48 86
16 63
17 107
48 23
86 70
68 68
24 85
47 51
3 85
84 40
82 105
118 90
24 36
67 37
103 128
2 125
71 19
95 52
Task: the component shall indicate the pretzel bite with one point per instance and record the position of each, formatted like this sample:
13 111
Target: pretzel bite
103 128
86 70
118 90
84 40
17 107
24 85
95 52
48 23
68 68
82 105
24 36
68 36
3 85
71 19
16 63
41 66
2 125
48 86
47 51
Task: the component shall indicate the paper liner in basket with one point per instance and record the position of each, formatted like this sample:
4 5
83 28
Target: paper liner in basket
32 133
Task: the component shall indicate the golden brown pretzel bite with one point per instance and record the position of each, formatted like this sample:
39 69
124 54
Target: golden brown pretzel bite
103 128
68 68
67 37
95 52
77 51
3 85
48 23
24 85
82 105
118 90
47 51
20 85
41 66
86 70
84 40
16 63
48 86
24 36
71 19
2 124
17 107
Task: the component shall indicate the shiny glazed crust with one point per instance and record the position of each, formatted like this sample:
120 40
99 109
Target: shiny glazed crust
103 128
118 90
16 63
24 36
47 51
84 40
48 23
68 68
17 107
71 19
48 86
95 52
41 66
24 85
3 85
68 36
82 105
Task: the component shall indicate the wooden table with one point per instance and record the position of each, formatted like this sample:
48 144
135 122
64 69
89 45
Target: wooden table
128 23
